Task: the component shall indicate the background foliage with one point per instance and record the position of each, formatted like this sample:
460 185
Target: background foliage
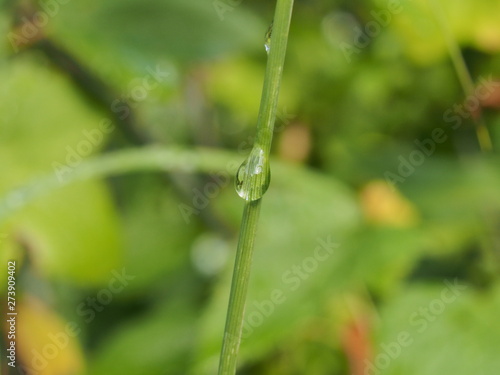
407 222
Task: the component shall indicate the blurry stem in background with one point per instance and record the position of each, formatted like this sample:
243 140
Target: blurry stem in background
94 88
464 76
145 159
468 87
255 179
172 159
89 84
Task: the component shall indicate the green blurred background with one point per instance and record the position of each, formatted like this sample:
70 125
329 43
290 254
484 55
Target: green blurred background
379 241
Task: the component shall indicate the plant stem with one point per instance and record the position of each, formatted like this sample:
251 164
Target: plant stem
239 287
265 128
274 69
463 74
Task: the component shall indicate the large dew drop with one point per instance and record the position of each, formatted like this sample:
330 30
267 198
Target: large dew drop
253 176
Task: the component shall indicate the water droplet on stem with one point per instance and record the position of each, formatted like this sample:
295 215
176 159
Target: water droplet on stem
267 43
253 176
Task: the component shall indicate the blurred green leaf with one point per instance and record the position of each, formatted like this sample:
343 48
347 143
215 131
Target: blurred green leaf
445 329
157 343
74 234
123 36
423 38
156 236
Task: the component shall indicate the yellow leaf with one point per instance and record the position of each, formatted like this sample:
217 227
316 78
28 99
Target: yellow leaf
46 344
384 205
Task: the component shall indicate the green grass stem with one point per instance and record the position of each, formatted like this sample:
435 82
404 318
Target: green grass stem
265 128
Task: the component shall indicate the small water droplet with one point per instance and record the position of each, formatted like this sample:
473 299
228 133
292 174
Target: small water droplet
253 176
267 43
